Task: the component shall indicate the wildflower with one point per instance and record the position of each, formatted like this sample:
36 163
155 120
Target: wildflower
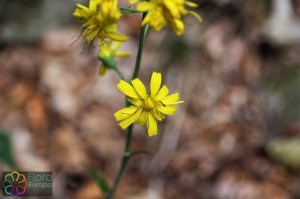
107 54
162 12
146 108
99 20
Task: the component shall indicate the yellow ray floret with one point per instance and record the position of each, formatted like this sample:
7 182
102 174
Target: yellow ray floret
146 108
162 12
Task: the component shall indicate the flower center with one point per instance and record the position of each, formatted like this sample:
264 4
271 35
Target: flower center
149 103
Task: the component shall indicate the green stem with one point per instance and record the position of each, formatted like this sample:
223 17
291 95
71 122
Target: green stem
143 33
125 159
126 153
119 73
129 10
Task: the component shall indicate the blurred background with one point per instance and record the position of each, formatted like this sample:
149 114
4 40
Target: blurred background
237 136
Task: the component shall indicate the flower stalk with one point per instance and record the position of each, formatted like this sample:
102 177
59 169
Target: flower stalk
143 33
127 153
124 162
99 22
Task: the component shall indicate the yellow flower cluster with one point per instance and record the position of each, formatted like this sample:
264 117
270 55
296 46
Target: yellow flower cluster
146 108
162 12
99 20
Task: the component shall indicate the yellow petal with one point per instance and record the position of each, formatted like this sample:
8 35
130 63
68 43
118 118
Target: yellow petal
102 70
131 119
171 6
125 113
104 51
101 43
133 1
111 28
143 118
155 83
171 99
196 16
162 93
123 54
127 89
136 102
168 110
178 26
117 37
117 46
191 4
151 126
145 6
157 115
93 4
159 24
81 6
147 19
139 87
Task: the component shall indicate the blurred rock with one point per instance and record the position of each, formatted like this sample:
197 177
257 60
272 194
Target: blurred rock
24 150
283 26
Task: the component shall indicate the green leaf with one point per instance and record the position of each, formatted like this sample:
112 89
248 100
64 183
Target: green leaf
286 151
101 182
6 150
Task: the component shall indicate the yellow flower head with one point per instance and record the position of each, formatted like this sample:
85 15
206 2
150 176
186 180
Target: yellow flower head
107 54
146 108
162 12
99 20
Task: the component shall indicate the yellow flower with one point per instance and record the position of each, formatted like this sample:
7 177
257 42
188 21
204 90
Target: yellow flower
162 12
146 108
107 54
99 20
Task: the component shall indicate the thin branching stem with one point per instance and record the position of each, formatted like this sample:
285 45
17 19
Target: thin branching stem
121 75
127 153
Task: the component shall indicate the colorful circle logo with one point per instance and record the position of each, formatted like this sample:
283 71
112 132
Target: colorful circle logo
15 184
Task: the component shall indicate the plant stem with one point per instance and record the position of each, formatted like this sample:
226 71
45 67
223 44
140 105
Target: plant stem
126 157
129 10
143 32
126 153
119 73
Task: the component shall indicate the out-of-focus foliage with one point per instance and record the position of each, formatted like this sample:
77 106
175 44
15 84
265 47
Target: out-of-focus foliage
6 154
286 151
283 84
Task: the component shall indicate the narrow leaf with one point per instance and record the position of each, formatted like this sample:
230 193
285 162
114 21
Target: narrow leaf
101 182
